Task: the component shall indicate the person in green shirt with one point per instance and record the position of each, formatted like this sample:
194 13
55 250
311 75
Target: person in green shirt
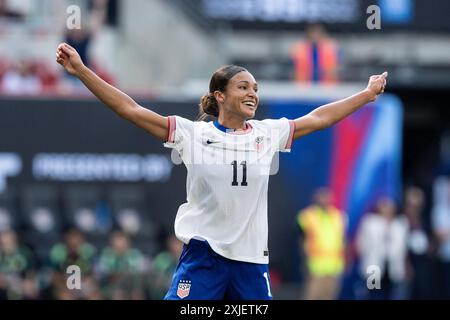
17 264
121 269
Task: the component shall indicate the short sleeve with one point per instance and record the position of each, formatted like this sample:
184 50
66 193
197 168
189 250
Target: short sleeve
282 133
180 133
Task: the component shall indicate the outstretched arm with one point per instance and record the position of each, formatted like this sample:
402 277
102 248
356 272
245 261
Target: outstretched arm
115 99
331 113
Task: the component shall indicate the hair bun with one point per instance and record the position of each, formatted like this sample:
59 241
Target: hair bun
208 104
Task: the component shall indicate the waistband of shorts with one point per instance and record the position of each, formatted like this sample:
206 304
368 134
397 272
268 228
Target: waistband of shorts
198 243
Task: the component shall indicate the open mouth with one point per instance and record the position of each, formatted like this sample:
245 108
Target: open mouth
250 104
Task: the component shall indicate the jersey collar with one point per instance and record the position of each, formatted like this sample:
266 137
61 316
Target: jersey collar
222 128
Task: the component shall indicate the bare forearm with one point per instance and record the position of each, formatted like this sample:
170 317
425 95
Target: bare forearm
333 112
115 99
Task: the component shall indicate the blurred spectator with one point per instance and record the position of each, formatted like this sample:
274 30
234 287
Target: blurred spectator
121 269
382 242
316 58
8 12
441 228
21 79
4 66
48 78
163 267
75 250
17 269
419 247
323 226
89 288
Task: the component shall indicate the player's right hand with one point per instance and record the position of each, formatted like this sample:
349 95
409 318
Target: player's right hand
69 58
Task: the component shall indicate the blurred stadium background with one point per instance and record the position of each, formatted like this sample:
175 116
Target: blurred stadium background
79 185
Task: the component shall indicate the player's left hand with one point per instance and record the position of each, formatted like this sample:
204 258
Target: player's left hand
377 84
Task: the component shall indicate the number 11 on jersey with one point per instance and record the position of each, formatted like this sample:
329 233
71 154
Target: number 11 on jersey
244 173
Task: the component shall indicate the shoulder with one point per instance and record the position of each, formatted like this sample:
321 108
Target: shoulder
337 211
370 219
402 221
88 250
135 253
308 211
270 123
183 127
183 122
58 252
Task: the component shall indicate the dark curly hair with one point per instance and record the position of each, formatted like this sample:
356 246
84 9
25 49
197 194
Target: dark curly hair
208 106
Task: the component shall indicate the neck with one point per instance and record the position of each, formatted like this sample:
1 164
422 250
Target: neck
231 122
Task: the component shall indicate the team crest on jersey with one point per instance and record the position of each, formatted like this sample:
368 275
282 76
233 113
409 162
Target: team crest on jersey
184 286
259 143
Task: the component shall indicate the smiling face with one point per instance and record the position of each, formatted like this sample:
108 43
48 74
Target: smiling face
240 98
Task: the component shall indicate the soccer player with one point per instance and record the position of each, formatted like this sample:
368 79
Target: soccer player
223 224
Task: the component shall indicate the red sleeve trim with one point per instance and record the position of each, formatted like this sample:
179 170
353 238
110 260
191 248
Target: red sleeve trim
291 134
172 123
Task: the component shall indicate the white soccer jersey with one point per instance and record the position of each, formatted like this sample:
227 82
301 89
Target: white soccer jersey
227 183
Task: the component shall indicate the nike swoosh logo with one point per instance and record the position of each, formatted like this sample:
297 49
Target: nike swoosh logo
209 141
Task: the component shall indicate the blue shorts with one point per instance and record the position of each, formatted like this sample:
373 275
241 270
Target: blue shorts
202 274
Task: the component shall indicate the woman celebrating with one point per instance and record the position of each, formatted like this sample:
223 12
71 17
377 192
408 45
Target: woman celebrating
223 224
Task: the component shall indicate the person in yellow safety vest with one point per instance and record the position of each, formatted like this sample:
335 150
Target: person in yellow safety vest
316 59
323 229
